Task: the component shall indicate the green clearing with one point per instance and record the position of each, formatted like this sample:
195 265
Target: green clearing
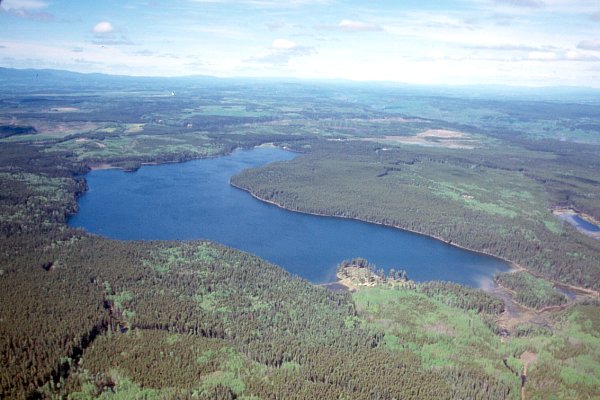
531 291
439 334
141 147
568 356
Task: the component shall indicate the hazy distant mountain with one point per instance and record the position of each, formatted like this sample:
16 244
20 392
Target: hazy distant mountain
44 77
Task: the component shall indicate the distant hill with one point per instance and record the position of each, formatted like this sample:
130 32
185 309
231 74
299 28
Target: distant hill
43 77
33 78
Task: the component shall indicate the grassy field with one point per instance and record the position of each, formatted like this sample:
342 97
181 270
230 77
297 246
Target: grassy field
564 360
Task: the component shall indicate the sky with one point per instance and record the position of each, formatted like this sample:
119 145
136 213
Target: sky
508 42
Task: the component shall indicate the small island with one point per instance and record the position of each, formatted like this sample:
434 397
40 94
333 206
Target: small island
359 272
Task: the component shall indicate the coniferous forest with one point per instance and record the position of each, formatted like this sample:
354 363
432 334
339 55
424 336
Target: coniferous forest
83 316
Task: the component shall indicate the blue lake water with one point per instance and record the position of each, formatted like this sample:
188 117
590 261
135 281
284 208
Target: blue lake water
585 225
194 200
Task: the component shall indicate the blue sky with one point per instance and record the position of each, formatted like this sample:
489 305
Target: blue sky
514 42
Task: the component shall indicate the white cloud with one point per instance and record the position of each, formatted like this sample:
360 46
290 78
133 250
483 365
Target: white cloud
510 47
281 52
102 59
589 45
521 3
103 27
266 4
105 34
347 25
23 5
26 9
572 7
566 55
506 41
542 56
573 55
283 44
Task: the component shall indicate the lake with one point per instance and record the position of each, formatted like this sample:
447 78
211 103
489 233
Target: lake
194 200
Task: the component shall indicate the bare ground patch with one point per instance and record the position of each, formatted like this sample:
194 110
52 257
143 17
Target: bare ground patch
432 138
134 128
437 138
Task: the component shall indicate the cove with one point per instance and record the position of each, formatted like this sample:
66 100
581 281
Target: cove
194 200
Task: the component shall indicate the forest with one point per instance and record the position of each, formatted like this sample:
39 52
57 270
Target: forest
531 291
84 316
472 198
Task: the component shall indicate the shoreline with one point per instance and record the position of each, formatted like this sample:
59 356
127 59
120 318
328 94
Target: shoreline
107 165
574 211
514 267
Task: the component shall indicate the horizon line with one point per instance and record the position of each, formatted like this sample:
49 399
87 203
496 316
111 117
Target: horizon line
315 80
